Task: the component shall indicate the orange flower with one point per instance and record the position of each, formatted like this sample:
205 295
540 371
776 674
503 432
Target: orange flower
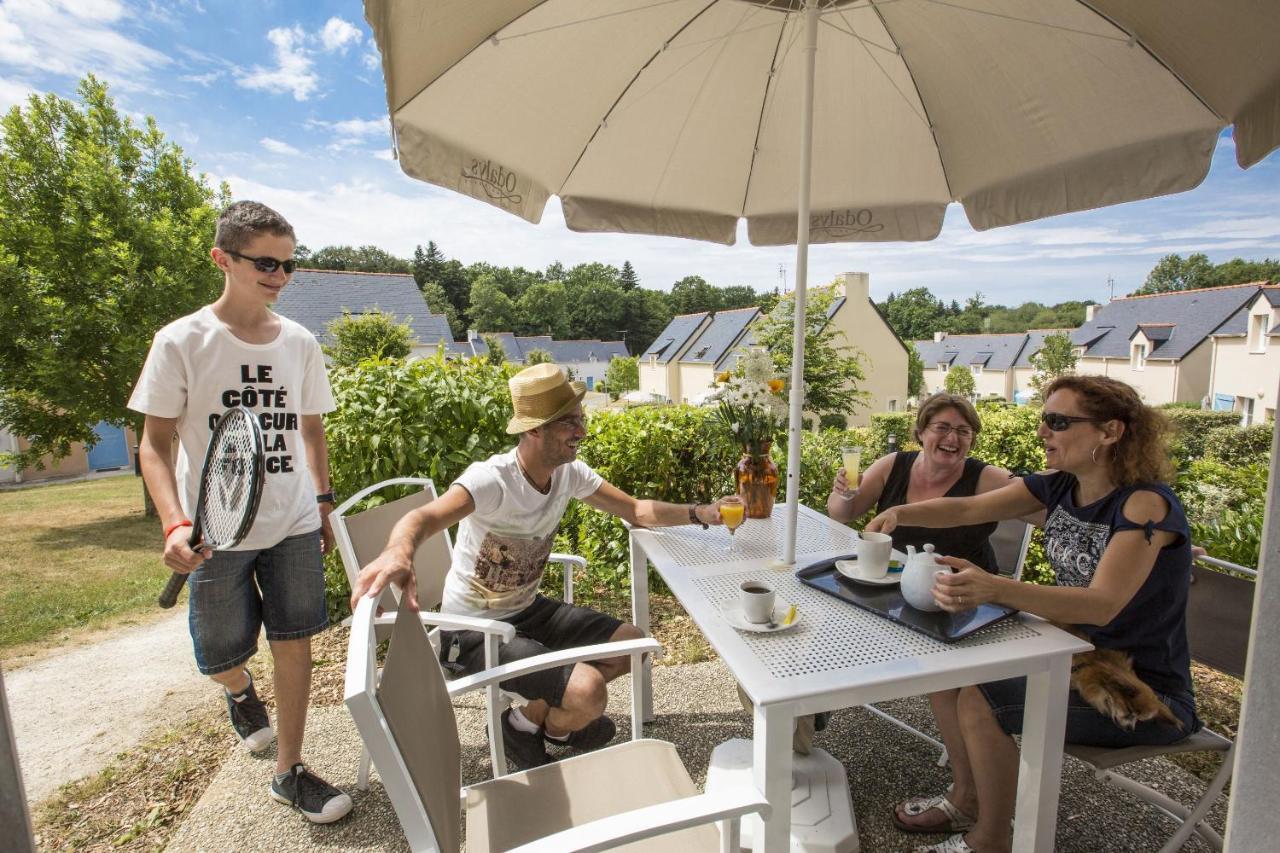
722 377
776 385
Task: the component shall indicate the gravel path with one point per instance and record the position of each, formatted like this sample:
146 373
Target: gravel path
697 709
72 712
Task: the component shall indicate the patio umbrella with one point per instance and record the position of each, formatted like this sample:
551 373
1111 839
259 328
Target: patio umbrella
822 120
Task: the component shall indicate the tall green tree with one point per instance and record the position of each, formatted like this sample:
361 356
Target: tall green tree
1173 272
832 368
914 314
370 334
915 372
105 238
438 301
647 313
495 352
543 309
1056 358
622 376
357 259
960 381
628 278
492 310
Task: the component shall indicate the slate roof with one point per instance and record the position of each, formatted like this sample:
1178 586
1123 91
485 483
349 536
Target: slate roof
1194 315
674 337
517 348
993 352
316 297
1239 322
1035 343
717 338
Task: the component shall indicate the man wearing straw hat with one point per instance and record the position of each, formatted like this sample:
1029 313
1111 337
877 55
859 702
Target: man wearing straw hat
507 509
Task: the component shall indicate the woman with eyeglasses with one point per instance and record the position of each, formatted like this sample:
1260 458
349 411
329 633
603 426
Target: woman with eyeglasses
1118 540
946 427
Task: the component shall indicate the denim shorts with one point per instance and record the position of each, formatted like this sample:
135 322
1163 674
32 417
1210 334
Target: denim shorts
235 593
545 625
1085 725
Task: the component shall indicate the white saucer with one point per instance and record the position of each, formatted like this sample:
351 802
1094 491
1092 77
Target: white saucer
732 613
849 569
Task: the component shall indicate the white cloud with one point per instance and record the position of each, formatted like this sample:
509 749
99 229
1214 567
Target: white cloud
73 37
371 60
205 80
385 154
338 35
275 146
293 71
352 132
13 93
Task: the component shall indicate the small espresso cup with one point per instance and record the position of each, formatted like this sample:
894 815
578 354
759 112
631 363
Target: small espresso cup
874 550
757 601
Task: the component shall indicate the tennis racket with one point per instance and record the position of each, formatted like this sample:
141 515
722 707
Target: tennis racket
230 488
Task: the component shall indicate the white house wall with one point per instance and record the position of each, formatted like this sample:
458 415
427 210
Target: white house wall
1241 373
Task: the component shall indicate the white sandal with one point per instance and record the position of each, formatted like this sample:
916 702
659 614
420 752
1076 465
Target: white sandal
957 821
954 844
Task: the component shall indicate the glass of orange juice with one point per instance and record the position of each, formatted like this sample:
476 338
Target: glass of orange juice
732 512
851 458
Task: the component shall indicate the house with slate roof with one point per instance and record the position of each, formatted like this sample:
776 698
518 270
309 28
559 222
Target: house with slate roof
1160 344
1244 368
587 359
1001 363
315 298
684 359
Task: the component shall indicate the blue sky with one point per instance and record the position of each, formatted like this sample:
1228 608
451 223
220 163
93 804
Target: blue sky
283 99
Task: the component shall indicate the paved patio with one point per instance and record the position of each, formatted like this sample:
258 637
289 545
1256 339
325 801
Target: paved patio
697 709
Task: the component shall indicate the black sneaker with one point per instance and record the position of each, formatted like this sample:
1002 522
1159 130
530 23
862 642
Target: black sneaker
318 801
249 718
593 735
524 750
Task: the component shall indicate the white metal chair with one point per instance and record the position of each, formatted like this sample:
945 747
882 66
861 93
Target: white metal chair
361 536
633 792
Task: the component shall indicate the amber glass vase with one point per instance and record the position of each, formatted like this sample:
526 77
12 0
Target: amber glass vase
757 478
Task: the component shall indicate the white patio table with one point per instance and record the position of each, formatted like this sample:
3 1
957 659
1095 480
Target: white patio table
839 656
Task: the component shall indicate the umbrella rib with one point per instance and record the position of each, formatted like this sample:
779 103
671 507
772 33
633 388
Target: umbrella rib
933 131
627 88
764 103
863 43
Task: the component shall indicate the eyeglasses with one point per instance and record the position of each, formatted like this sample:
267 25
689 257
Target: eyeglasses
1060 423
267 265
944 430
572 422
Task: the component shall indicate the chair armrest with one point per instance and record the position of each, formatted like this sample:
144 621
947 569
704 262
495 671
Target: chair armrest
456 622
568 560
537 663
659 819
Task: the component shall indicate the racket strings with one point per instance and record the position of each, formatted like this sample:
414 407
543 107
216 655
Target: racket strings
233 478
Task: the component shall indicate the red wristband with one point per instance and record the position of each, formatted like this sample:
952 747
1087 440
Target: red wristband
168 531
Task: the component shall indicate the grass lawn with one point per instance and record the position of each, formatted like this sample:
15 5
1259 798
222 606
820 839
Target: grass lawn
74 556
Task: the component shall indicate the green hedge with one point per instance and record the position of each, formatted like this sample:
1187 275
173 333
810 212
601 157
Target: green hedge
1191 429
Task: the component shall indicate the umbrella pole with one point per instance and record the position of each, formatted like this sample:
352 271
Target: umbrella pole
796 421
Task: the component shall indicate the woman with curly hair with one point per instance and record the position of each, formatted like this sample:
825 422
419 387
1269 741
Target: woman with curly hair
1118 540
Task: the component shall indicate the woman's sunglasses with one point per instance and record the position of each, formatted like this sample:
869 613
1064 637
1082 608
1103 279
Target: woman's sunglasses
267 265
1060 423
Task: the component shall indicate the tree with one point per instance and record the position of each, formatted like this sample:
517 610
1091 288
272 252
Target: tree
692 294
428 264
960 381
622 376
372 334
597 309
361 259
647 313
832 368
543 310
1240 271
1055 358
105 238
492 310
914 315
1173 273
495 352
628 278
915 372
438 301
537 356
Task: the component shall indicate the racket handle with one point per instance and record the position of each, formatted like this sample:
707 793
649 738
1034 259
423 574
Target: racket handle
169 596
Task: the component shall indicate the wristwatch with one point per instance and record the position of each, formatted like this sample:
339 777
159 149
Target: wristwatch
693 516
326 498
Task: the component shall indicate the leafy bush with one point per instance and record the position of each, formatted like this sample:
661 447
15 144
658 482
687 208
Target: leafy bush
1181 404
1239 446
1225 504
1008 438
832 421
900 424
1190 429
373 334
1232 536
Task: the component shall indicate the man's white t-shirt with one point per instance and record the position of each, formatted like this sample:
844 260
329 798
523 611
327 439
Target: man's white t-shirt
197 369
503 545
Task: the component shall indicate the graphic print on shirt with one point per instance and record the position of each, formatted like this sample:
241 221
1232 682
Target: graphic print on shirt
268 404
1074 547
509 569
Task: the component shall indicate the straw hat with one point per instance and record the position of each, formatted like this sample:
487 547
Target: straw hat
539 394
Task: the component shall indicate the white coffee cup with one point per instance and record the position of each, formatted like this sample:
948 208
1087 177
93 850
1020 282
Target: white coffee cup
874 550
757 601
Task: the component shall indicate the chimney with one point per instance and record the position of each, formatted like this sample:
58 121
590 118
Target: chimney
939 337
854 285
1089 311
471 335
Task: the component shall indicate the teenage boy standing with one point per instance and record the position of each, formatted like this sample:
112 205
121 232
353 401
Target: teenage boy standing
237 351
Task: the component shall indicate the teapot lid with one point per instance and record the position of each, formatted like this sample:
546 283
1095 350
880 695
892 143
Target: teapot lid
928 548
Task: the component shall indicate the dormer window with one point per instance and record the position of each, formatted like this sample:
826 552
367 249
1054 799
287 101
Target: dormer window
977 369
1258 333
942 367
1138 356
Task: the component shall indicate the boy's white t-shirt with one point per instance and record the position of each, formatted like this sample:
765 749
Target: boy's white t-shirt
198 368
503 545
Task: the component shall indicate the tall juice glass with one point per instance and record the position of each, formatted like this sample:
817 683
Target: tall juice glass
851 458
732 512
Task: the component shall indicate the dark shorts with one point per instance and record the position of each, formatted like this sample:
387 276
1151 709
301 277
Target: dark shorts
546 625
235 593
1085 725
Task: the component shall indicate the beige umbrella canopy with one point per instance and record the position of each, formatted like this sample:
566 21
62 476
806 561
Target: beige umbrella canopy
822 120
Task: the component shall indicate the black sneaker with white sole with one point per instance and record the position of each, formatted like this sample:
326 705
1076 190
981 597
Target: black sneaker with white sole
318 801
593 735
249 718
524 750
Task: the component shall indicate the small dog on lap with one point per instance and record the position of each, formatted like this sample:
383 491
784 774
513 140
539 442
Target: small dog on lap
1105 679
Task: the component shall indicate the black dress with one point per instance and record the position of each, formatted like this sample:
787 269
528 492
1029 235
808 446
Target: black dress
971 542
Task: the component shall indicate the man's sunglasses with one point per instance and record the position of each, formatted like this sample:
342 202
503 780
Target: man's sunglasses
267 265
1060 423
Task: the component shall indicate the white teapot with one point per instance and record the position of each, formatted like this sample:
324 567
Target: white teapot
918 577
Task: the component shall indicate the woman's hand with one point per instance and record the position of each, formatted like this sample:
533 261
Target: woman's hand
965 588
841 486
885 522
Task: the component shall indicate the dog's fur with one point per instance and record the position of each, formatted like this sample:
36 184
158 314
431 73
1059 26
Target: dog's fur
1105 679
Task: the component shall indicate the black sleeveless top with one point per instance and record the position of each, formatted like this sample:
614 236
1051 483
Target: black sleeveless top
971 542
